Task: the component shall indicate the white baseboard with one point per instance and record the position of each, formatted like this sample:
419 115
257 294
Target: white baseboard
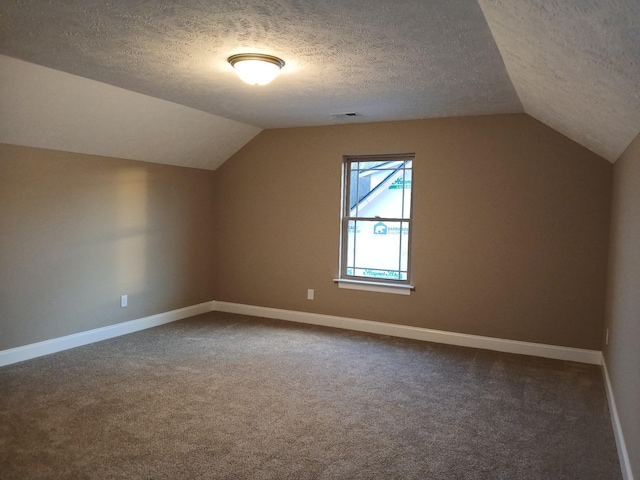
417 333
34 350
26 352
623 454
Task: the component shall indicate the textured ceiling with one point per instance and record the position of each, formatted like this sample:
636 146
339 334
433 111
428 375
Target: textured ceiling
385 60
574 64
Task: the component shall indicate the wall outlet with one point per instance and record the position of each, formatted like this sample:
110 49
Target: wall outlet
124 300
310 294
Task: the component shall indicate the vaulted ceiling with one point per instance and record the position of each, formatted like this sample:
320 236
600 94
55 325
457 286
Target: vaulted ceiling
572 64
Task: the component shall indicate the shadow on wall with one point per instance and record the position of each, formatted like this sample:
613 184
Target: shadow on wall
131 224
79 231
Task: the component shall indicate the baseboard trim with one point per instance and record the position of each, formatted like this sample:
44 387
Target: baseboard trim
593 357
47 347
623 454
27 352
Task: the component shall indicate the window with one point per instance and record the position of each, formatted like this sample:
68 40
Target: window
376 223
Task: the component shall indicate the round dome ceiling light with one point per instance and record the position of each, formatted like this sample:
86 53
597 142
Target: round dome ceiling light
256 68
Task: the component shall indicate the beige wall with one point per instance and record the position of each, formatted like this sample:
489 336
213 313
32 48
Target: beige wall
510 236
622 354
510 233
77 231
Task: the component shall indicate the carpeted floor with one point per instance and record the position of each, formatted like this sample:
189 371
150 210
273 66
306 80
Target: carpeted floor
223 396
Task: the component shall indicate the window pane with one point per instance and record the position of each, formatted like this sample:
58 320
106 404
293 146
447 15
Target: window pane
406 211
377 249
380 274
404 247
351 236
380 189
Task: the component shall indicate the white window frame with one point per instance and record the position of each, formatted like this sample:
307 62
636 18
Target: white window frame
402 287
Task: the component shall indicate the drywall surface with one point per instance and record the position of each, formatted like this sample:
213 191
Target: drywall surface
510 228
79 231
408 59
575 65
622 354
46 108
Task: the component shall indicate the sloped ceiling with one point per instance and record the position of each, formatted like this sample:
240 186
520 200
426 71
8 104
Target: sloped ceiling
46 108
575 65
571 64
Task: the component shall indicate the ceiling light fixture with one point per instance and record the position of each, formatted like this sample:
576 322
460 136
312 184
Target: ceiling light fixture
256 68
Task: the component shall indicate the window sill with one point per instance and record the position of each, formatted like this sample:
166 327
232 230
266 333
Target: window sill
398 289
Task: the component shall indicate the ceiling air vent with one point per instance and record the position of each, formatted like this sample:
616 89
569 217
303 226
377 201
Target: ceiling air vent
346 114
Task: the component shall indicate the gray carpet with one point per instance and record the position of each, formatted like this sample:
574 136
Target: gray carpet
223 396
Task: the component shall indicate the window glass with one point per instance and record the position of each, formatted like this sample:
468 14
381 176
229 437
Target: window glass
377 218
